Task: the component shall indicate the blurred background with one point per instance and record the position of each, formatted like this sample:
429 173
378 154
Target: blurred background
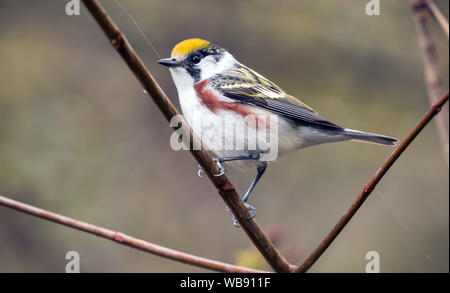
79 137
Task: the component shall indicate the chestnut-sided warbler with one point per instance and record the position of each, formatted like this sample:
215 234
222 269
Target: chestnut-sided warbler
225 102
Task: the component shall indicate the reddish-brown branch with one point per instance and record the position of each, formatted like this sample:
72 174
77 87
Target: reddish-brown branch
434 81
222 184
440 18
369 187
126 240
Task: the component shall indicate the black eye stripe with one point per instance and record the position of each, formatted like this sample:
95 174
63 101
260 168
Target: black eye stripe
202 53
191 65
196 59
194 72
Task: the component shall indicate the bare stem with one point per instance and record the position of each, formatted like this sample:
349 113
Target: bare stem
126 240
440 18
222 184
370 186
434 81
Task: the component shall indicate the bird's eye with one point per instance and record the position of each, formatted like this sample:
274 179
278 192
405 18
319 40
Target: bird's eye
195 59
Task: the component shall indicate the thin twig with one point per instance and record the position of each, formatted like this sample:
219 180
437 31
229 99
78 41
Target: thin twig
370 186
434 81
223 185
440 18
126 240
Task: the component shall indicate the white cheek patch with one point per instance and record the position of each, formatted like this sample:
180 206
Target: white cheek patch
209 66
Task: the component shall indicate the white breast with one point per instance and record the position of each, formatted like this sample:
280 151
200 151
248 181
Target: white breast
219 131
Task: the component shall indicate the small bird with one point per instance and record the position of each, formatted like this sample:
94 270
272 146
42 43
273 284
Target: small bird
223 101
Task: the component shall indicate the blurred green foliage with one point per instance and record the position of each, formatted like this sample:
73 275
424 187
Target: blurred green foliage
79 137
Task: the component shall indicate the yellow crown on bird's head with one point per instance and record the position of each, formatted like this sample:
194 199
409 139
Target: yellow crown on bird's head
189 45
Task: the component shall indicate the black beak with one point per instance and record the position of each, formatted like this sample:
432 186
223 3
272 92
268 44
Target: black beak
169 62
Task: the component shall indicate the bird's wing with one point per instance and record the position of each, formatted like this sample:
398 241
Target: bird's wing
243 85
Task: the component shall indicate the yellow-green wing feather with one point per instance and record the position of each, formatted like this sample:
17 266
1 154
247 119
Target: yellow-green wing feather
244 85
244 80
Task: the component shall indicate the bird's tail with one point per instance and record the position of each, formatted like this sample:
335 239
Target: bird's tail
370 137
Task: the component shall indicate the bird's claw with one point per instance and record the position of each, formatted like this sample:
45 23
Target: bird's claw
221 167
200 171
252 215
219 164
